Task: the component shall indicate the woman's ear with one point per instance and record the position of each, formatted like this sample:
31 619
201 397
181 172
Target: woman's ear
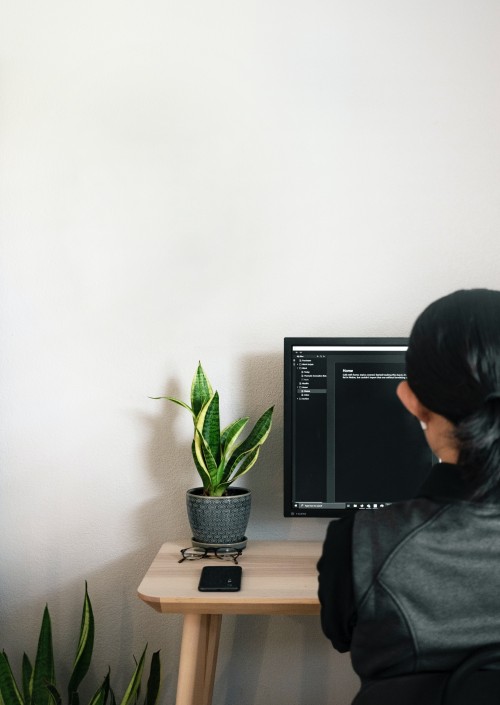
411 402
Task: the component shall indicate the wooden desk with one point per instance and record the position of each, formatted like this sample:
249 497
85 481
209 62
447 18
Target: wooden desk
279 577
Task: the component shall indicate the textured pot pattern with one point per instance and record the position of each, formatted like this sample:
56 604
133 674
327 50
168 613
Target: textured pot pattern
218 520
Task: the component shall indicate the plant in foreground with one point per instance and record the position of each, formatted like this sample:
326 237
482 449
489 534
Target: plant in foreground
218 460
39 682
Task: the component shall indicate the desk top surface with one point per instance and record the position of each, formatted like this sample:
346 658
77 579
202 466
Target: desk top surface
279 577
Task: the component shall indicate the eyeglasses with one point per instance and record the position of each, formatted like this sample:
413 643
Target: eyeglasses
196 552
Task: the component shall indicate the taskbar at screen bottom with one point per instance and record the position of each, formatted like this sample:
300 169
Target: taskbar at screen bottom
340 505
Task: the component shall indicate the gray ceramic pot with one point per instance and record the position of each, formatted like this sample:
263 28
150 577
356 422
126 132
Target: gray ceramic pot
218 521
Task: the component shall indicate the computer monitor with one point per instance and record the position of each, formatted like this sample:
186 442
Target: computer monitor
349 443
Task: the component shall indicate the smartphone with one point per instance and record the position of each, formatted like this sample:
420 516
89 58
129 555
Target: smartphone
224 578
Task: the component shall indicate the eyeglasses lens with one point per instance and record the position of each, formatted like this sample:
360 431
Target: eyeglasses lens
226 553
192 554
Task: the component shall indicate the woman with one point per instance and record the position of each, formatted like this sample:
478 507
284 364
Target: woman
415 587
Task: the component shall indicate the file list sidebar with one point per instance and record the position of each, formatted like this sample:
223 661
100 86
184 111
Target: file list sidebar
310 428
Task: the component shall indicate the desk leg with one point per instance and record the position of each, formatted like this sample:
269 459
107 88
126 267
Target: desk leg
198 660
210 640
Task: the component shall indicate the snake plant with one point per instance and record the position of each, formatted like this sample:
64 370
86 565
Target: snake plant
218 458
38 682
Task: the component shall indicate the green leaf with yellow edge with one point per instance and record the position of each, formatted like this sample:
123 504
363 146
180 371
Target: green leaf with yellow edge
209 459
248 461
198 439
257 436
84 649
231 433
181 403
201 390
211 427
135 682
8 687
242 459
202 471
101 694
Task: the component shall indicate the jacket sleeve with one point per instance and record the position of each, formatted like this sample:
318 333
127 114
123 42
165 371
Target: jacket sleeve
335 592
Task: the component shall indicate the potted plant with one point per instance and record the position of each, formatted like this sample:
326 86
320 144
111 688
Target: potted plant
38 682
217 511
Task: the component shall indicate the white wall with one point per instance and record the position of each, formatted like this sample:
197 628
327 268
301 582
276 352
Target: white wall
196 180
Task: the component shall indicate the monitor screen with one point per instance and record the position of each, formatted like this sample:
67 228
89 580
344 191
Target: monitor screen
349 442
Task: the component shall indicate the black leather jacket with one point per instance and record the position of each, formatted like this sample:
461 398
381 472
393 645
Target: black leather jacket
418 582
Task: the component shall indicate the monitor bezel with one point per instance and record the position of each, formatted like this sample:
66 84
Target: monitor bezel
289 344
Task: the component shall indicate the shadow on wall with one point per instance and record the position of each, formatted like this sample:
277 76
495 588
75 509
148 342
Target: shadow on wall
262 386
287 661
170 464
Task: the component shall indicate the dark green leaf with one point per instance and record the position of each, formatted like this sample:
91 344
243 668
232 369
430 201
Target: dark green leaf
84 650
8 686
153 686
43 670
27 672
56 698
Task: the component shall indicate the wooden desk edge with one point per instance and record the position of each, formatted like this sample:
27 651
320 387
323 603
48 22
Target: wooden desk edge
203 605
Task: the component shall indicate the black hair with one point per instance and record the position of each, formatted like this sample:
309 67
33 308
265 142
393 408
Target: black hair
453 367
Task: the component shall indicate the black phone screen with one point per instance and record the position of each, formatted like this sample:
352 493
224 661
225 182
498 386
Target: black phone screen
224 578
